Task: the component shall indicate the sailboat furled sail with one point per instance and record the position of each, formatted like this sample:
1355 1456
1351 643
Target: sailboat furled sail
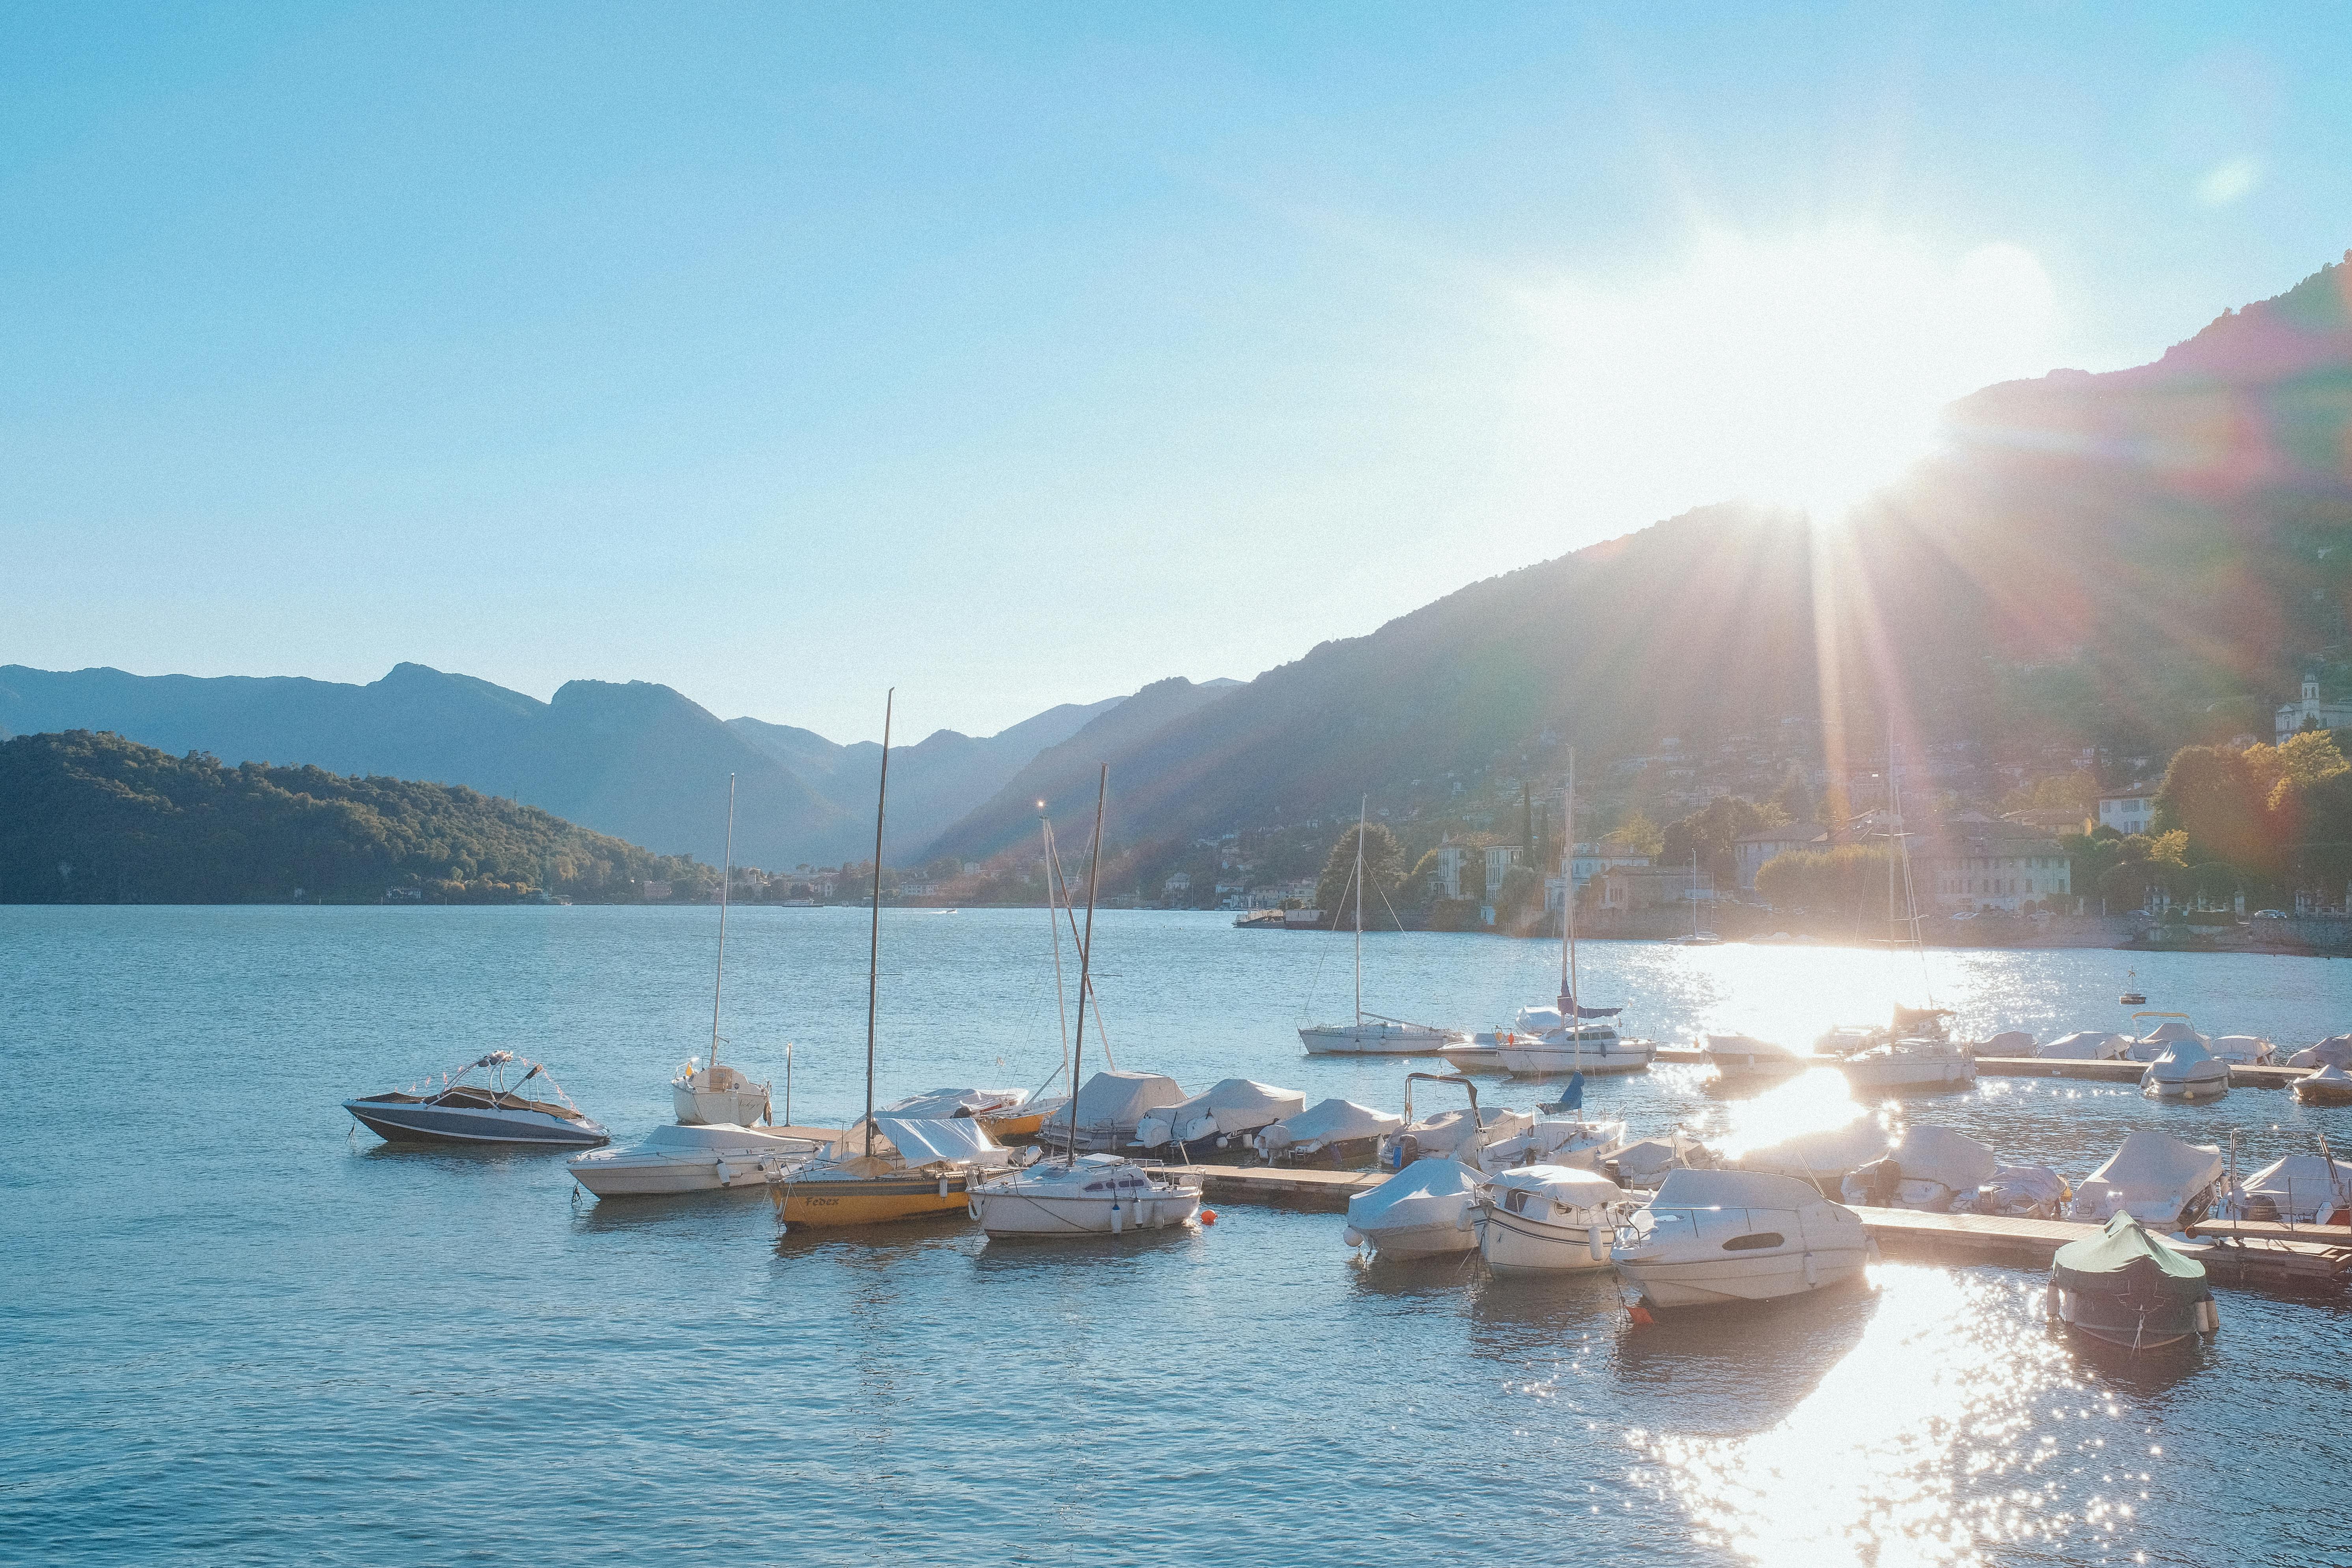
1372 1035
711 1094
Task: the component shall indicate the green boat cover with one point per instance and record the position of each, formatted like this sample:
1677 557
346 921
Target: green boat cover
2126 1249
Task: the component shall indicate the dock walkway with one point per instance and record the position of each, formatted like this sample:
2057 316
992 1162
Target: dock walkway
2038 1066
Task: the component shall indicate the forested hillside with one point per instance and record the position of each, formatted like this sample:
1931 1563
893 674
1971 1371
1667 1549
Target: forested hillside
94 819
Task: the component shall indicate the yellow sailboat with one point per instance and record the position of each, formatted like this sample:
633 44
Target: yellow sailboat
885 1168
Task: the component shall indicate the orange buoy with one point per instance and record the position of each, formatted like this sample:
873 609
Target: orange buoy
1641 1315
1208 1216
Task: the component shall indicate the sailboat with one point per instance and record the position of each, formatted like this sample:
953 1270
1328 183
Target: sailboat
886 1167
1916 1050
716 1095
1576 1039
1024 1120
1698 937
1074 1194
1372 1035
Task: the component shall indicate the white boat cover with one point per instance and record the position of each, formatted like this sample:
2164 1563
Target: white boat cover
924 1140
2021 1189
1449 1132
1821 1154
2332 1052
1563 1184
2151 1177
2249 1050
2300 1185
1231 1105
1115 1098
2087 1045
1656 1156
1424 1193
1546 1138
1688 1189
2150 1046
2008 1043
1941 1155
2328 1076
1750 1045
2187 1061
1332 1122
948 1102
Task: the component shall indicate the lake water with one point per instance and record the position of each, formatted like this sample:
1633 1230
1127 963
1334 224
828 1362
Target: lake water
236 1332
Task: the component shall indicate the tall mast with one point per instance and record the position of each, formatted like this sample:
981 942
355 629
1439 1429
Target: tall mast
1054 923
1085 959
874 946
1568 901
1893 824
719 982
1363 804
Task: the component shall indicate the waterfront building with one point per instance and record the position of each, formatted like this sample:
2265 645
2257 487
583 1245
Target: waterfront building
2134 811
1973 863
1751 850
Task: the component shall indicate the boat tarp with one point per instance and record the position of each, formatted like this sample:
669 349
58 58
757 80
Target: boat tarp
2172 1031
2087 1045
1537 1020
1332 1122
1747 1046
1688 1189
2248 1050
1563 1184
2300 1184
1113 1097
1233 1105
2008 1043
2099 1262
1941 1155
1651 1155
2021 1186
1439 1180
2180 1062
940 1103
2332 1052
1817 1155
2330 1074
923 1140
2153 1175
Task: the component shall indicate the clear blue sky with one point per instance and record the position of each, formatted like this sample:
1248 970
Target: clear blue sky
1019 354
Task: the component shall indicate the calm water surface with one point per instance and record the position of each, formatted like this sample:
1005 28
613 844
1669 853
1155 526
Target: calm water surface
236 1332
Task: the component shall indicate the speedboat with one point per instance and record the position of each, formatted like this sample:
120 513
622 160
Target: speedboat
1336 1132
1463 1135
886 1168
1548 1218
482 1103
1094 1194
717 1095
2331 1084
2301 1189
2186 1070
2126 1288
1222 1117
683 1159
1744 1055
1711 1237
2152 1177
2023 1191
1422 1211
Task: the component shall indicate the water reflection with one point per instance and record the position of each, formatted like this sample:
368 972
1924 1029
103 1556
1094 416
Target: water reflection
1955 1426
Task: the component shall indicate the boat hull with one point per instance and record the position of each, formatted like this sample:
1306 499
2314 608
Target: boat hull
718 1107
868 1200
1937 1072
1435 1238
2323 1094
2203 1086
417 1123
1514 1244
1014 1126
1374 1040
667 1178
1553 1061
1016 1213
1744 1277
2119 1320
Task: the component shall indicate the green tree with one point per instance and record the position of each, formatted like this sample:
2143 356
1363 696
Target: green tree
1712 830
1636 834
2210 793
1383 873
1839 880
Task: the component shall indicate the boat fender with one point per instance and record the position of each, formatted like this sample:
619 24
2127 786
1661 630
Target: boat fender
1351 1235
2209 1317
1463 1220
1596 1243
1116 1216
2050 1308
1812 1272
943 1186
972 1205
720 1166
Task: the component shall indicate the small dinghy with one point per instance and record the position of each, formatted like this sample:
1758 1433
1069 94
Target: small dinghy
2126 1288
689 1159
2331 1084
1336 1132
2153 1177
482 1103
2185 1071
1713 1236
1541 1219
1422 1211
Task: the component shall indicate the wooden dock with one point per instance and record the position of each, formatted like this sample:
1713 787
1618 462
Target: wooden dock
2037 1066
1280 1185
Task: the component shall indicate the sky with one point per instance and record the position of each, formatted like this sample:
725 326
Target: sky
1021 354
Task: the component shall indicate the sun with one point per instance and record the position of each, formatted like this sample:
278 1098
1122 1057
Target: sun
1803 369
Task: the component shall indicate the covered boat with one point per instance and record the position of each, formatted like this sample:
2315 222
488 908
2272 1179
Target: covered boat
1111 1110
2163 1036
1555 1141
896 1168
2301 1189
1337 1132
1094 1194
2087 1045
482 1102
1712 1237
1926 1170
1928 1061
2023 1191
2185 1071
1644 1163
945 1104
1231 1109
1744 1055
689 1159
1821 1156
2008 1043
2333 1051
1422 1211
2126 1288
2331 1084
2245 1050
1548 1218
2153 1177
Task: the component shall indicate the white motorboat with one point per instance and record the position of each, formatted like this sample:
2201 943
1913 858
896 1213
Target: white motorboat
1547 1219
1711 1237
2328 1084
2300 1189
2245 1050
1588 1048
1562 1141
2163 1036
1223 1116
1929 1170
2023 1191
2336 1051
1744 1055
1919 1063
1095 1195
2153 1177
1372 1035
1338 1132
2185 1071
1641 1165
1482 1052
689 1159
482 1103
2087 1045
1422 1211
716 1096
1462 1134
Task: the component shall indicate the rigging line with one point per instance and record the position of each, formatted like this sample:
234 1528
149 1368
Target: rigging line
1054 927
1086 984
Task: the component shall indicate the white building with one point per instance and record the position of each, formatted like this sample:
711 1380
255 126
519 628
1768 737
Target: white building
2311 713
1751 850
1591 859
1973 863
2133 813
1500 858
1450 857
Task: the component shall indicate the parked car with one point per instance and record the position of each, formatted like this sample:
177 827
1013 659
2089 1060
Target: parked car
2271 915
1965 915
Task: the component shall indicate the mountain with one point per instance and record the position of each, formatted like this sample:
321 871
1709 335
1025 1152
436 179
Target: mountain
2127 562
933 782
636 761
94 819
